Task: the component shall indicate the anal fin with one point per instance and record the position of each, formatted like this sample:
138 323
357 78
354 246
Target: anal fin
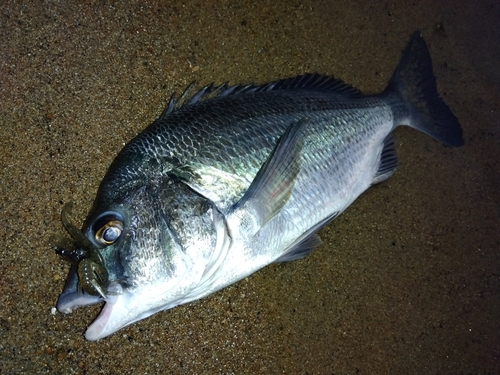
300 250
388 161
307 242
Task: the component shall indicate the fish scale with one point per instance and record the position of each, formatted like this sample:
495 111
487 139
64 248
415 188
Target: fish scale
234 178
259 118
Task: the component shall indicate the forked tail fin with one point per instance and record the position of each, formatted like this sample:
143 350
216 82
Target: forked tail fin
415 83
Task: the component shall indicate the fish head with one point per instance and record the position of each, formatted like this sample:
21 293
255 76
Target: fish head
155 244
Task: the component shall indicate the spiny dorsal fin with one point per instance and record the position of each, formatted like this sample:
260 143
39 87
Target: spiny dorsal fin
310 81
202 94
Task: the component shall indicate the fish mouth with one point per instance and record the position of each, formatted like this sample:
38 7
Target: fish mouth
73 297
67 302
107 322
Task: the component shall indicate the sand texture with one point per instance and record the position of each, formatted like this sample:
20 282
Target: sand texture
407 280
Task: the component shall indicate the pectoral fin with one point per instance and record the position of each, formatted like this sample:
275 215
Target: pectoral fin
273 184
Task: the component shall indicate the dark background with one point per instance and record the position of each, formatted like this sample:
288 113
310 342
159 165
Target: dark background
407 280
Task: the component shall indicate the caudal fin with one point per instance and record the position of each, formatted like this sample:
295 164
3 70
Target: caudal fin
415 83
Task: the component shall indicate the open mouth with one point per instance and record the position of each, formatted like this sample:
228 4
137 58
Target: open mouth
72 296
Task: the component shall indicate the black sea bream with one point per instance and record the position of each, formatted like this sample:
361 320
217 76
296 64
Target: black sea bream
236 178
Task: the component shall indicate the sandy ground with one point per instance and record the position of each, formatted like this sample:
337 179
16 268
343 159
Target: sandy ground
407 280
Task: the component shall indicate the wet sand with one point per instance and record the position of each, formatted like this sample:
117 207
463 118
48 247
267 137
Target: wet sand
406 281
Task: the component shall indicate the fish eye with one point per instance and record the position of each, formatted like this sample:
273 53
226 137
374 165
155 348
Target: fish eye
108 229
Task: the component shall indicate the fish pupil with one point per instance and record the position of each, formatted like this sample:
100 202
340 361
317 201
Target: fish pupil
111 234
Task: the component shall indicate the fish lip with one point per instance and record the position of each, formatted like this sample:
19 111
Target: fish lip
72 297
99 328
69 301
102 326
105 323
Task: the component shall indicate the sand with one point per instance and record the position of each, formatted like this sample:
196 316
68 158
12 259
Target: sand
407 280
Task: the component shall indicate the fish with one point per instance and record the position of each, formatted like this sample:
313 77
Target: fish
234 178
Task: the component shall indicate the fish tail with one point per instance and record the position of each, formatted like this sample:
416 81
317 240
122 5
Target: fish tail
415 83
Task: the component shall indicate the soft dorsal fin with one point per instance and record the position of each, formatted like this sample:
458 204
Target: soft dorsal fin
312 81
309 81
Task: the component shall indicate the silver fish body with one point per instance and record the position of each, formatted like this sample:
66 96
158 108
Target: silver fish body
218 188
